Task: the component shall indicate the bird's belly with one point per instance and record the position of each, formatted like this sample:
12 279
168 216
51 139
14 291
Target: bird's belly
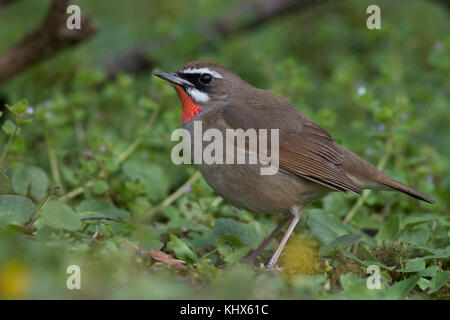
245 187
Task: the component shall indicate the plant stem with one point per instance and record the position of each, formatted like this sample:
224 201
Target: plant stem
53 161
121 157
136 143
77 191
175 195
8 144
41 205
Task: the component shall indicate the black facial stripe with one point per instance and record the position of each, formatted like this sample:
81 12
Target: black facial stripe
194 78
191 77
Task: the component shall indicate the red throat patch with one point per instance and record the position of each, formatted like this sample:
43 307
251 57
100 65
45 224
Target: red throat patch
189 108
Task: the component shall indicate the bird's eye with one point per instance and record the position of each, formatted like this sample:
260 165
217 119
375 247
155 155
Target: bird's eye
205 78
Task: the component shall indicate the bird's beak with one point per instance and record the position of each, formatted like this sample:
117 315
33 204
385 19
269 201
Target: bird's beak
173 78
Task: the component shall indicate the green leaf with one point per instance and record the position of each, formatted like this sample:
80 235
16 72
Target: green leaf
421 218
106 207
325 226
438 253
429 271
439 281
182 250
100 187
91 214
19 107
351 281
9 127
146 237
151 176
423 284
414 265
5 186
401 289
367 263
152 244
224 226
389 230
15 209
57 215
231 248
256 233
416 235
30 180
237 255
346 240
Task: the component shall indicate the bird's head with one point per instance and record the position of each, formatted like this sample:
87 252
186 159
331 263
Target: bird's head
202 86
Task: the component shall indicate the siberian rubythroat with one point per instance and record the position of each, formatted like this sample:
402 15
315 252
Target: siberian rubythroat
311 163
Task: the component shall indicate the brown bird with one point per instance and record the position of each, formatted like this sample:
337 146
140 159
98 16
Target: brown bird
311 162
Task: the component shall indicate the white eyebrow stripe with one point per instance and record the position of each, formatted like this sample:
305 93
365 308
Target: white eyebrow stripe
203 70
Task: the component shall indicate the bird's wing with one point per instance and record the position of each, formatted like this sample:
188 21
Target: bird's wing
305 149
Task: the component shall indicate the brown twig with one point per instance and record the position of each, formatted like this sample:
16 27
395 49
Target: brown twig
51 37
102 218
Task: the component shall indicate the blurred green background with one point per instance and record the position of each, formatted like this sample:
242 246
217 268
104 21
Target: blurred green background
384 94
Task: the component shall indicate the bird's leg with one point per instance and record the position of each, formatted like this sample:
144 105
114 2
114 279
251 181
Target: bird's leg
297 213
251 258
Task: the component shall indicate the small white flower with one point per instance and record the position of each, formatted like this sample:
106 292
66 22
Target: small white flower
362 91
30 110
102 148
368 151
144 155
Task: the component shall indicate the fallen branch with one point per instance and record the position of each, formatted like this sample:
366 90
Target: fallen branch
51 37
258 12
4 3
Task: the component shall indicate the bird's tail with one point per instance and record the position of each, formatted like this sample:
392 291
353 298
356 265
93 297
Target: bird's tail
385 180
368 177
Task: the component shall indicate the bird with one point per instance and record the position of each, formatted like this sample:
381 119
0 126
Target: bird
311 163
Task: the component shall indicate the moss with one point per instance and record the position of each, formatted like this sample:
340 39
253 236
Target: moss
344 265
301 257
391 255
443 293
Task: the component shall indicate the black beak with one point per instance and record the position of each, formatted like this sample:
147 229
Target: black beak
173 78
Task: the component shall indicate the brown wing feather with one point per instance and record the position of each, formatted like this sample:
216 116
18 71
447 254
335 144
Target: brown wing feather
306 149
317 158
